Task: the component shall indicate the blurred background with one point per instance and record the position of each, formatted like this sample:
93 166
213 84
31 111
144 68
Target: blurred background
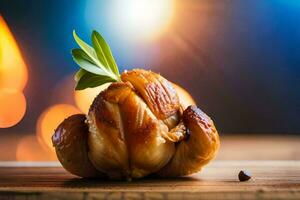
240 60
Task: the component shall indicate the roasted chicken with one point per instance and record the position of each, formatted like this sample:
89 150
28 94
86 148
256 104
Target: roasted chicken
134 128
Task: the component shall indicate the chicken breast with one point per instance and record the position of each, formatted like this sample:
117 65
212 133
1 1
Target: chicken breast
126 139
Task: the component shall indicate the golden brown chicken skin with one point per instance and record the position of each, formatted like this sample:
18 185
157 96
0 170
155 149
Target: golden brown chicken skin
156 91
137 127
126 139
198 147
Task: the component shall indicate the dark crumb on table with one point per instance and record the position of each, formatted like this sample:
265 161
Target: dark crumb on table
244 176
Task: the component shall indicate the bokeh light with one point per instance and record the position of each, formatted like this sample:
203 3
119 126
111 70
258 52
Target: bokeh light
12 107
13 78
84 98
184 96
50 119
132 20
29 149
13 71
142 18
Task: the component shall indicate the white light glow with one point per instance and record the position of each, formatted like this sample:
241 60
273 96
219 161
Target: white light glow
143 18
130 20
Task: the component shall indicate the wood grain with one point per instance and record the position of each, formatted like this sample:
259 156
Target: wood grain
271 180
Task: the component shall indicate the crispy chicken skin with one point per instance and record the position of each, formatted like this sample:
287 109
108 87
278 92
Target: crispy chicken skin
126 138
197 149
135 128
155 90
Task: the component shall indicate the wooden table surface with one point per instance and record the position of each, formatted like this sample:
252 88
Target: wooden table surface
270 180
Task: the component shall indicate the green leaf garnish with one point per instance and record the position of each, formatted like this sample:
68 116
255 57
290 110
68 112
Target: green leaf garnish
91 80
97 63
104 51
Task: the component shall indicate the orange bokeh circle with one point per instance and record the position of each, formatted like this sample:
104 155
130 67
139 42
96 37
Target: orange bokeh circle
29 149
84 98
50 119
12 107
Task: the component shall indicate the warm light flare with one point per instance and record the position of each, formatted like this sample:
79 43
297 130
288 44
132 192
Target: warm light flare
13 78
84 98
50 119
12 107
13 71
